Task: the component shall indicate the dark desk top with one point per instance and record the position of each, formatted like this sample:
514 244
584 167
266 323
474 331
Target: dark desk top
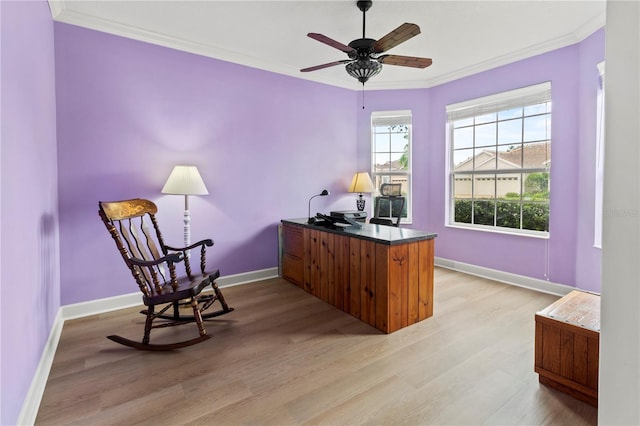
389 235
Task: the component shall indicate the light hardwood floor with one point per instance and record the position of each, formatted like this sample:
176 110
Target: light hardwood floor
284 357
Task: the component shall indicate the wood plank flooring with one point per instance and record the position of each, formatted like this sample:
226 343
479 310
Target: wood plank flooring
284 357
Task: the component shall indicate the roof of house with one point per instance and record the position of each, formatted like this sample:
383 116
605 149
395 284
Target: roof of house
528 156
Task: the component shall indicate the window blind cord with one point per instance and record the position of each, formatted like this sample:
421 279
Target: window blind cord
546 260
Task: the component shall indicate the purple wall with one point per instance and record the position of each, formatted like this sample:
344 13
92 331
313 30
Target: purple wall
573 94
129 111
29 265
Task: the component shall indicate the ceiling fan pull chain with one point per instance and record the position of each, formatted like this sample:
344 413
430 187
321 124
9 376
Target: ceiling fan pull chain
362 95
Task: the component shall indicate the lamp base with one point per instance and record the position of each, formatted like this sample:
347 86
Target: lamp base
360 203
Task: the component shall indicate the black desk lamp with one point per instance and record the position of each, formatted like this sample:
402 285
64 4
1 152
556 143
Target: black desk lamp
322 194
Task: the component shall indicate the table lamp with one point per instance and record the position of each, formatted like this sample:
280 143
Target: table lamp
324 193
361 183
185 180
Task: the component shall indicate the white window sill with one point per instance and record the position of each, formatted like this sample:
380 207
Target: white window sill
495 230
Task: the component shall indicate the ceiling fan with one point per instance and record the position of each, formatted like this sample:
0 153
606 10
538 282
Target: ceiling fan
365 59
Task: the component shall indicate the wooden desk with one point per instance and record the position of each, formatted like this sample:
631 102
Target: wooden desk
567 345
380 274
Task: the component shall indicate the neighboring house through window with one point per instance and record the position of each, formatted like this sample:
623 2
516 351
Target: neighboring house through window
500 161
391 158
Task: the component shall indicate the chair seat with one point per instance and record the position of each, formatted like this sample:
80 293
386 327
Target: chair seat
186 288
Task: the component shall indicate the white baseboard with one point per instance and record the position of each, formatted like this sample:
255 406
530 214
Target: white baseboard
505 277
247 277
99 306
32 401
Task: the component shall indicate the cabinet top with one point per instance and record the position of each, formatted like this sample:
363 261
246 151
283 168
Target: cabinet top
389 235
579 308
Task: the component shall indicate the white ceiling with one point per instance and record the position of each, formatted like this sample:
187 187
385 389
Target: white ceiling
462 37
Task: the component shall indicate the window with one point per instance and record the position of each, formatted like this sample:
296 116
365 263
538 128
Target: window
391 157
500 161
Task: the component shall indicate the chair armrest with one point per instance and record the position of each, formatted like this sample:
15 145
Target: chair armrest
207 242
172 257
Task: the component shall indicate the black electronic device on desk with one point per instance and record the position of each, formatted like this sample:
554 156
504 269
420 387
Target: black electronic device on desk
327 221
346 216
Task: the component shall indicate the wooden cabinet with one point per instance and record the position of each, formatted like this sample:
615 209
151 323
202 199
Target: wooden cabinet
388 286
293 254
567 345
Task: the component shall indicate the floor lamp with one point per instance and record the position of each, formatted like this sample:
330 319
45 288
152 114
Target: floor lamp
185 180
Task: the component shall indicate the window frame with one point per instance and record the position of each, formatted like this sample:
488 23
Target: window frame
493 105
599 169
396 117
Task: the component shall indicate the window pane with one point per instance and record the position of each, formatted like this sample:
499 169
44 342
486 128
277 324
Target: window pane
462 211
537 155
396 163
510 131
399 141
484 186
510 156
463 159
508 214
536 128
382 162
381 143
536 186
486 118
535 216
486 134
463 138
508 186
463 122
485 158
510 113
381 129
537 109
462 186
484 212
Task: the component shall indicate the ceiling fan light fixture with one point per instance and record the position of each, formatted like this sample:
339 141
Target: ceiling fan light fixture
363 69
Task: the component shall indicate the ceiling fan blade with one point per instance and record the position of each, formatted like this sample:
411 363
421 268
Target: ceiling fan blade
330 64
401 34
330 42
405 61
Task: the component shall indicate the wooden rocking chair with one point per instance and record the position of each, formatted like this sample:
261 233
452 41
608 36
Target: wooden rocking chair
133 226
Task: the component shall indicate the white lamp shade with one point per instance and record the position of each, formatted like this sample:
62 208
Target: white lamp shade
185 180
361 183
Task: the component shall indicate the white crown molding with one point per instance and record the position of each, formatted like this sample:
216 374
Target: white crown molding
537 49
62 13
56 7
65 15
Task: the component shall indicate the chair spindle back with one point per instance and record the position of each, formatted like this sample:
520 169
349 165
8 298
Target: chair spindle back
133 226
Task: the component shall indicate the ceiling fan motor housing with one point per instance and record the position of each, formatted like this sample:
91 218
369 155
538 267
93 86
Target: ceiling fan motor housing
364 5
